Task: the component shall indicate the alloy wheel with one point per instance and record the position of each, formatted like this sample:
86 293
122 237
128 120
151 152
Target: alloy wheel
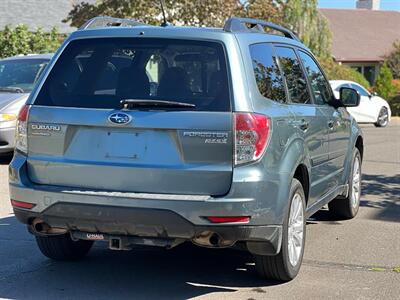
356 184
295 230
383 117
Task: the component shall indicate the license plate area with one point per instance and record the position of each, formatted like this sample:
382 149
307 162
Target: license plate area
130 145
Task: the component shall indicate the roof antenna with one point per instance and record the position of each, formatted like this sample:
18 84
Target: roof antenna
164 23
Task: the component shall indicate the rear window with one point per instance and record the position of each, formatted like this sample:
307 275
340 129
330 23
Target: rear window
99 73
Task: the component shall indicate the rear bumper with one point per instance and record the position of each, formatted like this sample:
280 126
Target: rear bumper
263 198
151 223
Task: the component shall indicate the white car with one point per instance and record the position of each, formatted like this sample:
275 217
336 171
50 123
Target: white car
18 76
372 108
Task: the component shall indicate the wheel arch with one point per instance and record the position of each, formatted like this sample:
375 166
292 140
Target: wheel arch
360 145
302 175
298 164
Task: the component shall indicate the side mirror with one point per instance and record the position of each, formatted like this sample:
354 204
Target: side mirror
349 97
374 94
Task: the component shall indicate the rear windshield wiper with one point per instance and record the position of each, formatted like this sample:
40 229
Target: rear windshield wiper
11 89
148 103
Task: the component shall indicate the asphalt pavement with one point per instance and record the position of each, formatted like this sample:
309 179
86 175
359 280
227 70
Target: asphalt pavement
353 259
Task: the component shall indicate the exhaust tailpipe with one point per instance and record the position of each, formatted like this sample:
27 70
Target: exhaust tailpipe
211 240
40 227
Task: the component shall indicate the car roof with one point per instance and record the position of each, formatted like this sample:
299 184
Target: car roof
189 32
47 56
340 82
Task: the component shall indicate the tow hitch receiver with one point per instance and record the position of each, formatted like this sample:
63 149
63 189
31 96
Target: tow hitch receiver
116 244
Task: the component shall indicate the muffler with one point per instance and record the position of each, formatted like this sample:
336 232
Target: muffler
40 227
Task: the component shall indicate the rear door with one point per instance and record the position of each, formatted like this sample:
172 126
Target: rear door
337 119
81 136
310 121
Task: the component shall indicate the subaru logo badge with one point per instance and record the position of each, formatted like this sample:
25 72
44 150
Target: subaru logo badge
120 118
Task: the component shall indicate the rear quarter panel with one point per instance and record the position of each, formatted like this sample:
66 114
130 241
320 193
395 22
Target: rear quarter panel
285 150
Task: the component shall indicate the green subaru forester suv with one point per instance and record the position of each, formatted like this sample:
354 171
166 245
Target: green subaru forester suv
157 135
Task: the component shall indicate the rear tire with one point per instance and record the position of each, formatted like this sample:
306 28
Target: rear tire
286 264
347 208
62 247
383 118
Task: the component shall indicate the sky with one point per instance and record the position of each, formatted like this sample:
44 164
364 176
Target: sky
385 4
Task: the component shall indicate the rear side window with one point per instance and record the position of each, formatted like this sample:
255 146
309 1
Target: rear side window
294 76
268 77
100 72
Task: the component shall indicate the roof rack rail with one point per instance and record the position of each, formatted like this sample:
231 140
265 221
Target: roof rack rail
109 22
235 24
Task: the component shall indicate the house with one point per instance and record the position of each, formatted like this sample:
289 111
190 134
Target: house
37 13
362 37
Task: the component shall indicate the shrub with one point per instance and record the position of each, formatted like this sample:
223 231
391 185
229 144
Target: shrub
394 102
20 40
395 105
396 84
334 71
384 82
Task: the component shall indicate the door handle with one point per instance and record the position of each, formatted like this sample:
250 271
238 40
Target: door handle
301 124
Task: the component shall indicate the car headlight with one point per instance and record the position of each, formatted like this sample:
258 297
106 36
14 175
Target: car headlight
7 117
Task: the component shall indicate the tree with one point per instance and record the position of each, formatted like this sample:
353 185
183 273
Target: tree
142 10
267 10
20 40
303 18
186 12
204 13
393 60
383 85
300 16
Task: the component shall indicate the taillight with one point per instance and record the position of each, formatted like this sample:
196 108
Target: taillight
241 219
251 136
22 204
21 135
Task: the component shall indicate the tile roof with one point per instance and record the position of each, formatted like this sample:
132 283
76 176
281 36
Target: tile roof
37 13
361 34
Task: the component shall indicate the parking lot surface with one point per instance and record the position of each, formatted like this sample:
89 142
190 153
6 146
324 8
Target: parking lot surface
351 259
